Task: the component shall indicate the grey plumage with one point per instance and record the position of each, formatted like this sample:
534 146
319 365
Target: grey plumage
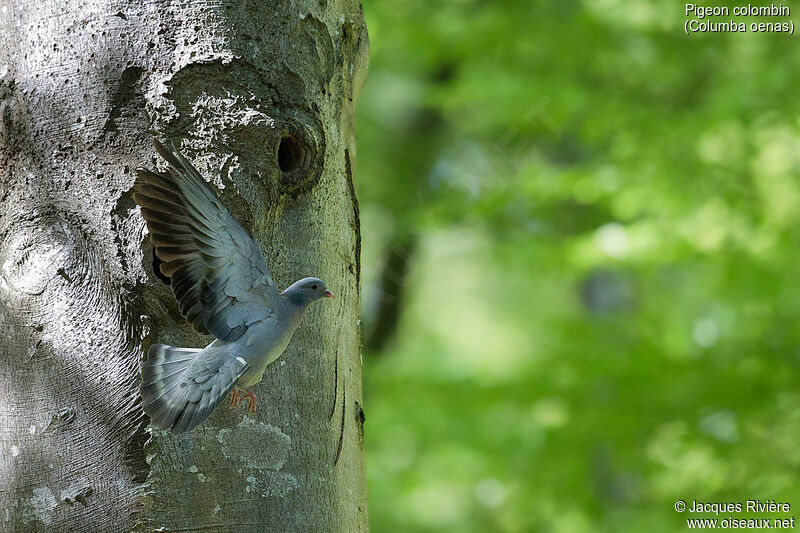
222 284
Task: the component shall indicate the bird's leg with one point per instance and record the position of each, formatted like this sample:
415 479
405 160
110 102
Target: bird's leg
238 394
235 399
251 400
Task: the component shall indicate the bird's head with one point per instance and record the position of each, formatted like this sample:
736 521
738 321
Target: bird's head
307 290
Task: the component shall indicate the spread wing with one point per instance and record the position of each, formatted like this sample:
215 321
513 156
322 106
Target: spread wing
219 275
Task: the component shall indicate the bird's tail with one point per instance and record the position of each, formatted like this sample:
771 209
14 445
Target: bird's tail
162 374
177 394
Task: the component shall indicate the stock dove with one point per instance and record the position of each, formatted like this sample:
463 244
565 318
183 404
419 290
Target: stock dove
221 281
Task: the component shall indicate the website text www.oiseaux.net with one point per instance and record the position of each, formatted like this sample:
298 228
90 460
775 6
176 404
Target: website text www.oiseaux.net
724 519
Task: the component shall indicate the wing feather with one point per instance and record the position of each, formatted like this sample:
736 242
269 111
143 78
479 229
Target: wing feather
217 270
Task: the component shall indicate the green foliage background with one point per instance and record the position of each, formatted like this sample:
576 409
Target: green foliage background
601 315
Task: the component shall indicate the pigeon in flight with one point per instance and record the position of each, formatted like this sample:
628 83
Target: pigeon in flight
220 279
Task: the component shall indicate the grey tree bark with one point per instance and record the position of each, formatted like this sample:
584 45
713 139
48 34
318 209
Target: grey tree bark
260 94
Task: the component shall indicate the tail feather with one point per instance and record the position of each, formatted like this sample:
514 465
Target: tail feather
181 387
164 377
204 408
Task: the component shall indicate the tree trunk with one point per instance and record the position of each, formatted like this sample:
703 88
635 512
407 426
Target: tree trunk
391 292
260 94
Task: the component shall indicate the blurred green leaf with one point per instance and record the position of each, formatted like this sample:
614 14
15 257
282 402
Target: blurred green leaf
601 317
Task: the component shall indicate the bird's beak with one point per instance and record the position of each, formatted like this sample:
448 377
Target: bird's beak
329 294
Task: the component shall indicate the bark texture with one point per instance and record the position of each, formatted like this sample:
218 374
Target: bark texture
260 94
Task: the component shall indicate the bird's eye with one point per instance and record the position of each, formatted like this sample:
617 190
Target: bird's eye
314 286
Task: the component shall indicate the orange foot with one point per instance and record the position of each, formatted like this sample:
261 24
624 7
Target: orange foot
238 394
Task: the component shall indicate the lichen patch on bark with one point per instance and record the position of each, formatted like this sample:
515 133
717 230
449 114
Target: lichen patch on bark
270 453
